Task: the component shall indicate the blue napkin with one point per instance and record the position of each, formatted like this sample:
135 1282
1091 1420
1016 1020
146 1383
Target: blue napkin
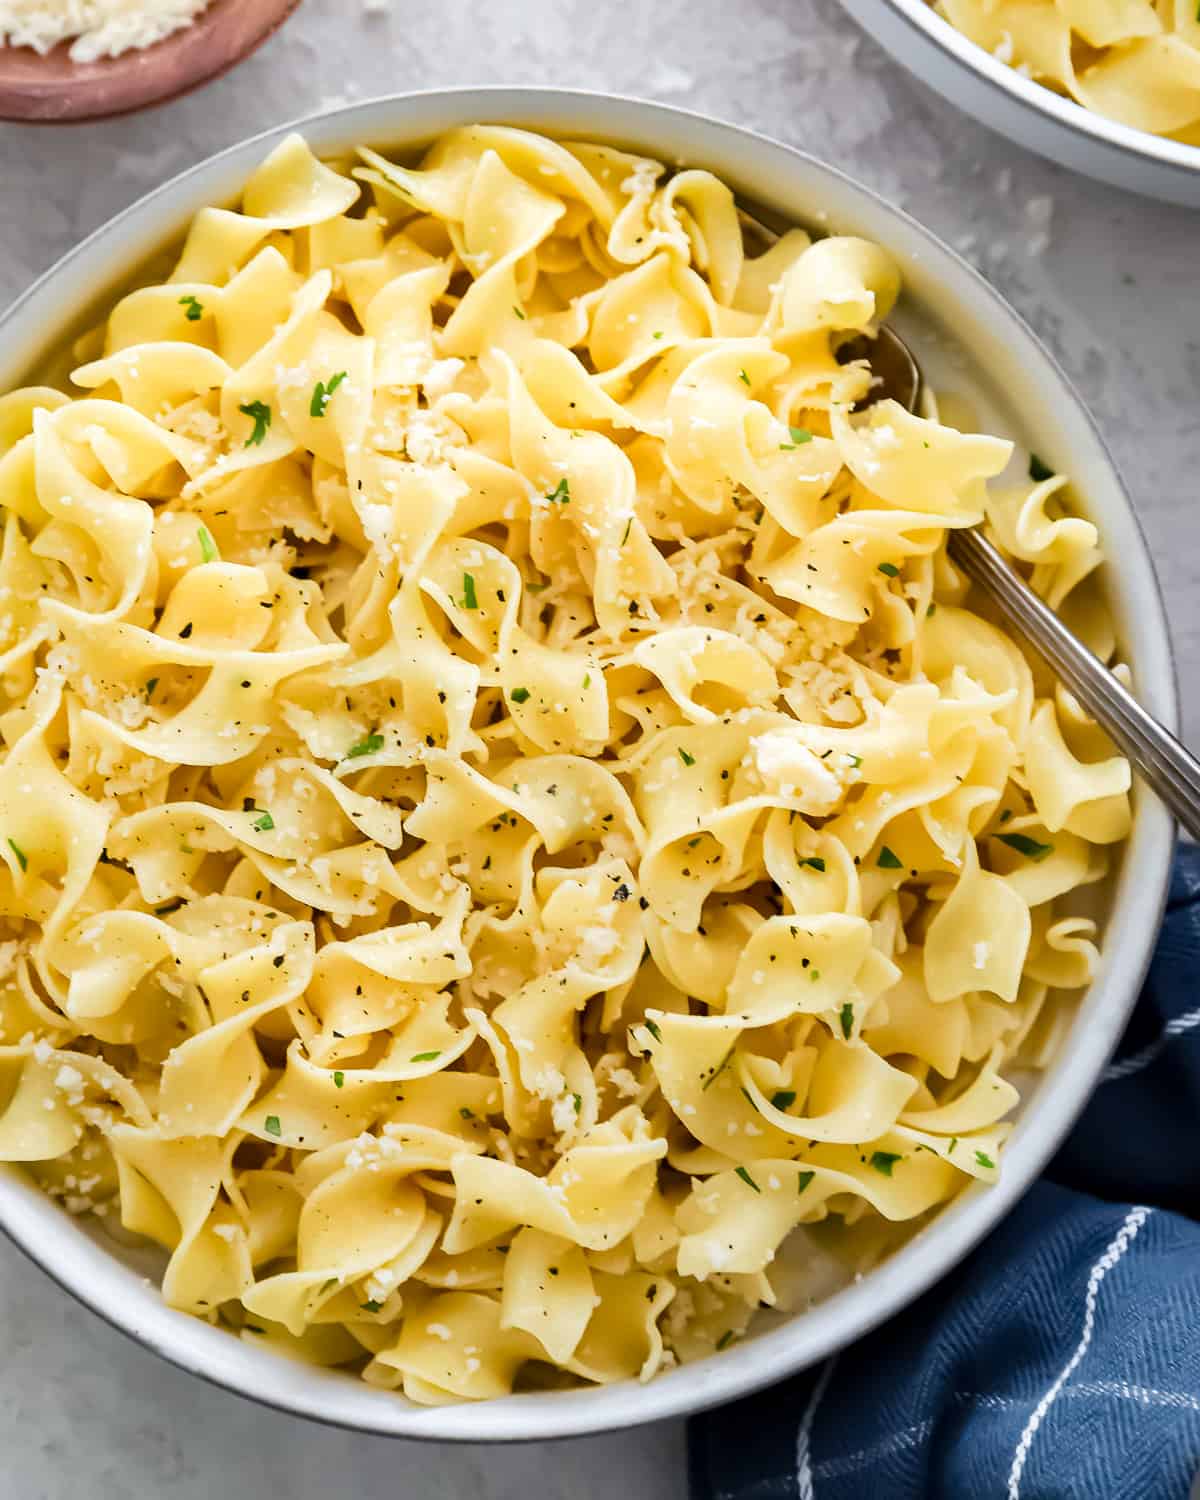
1061 1361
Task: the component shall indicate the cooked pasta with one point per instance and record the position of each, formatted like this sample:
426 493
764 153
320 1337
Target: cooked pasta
1135 61
507 809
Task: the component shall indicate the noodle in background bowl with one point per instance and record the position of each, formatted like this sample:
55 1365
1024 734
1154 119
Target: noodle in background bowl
971 342
1025 111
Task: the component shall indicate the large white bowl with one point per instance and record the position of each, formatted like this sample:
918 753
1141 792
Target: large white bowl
952 315
1025 111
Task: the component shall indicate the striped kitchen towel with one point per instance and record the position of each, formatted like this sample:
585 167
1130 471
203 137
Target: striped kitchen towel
1061 1361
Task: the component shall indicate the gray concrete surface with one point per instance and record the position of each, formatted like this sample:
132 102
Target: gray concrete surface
1109 280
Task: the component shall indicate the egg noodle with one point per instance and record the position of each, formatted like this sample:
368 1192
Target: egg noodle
1136 61
506 809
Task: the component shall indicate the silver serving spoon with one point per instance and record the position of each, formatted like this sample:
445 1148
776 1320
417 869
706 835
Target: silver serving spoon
1167 766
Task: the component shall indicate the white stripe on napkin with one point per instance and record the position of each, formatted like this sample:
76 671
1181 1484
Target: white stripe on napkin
804 1478
1117 1247
1146 1056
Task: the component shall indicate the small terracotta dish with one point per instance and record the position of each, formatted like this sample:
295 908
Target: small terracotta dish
52 89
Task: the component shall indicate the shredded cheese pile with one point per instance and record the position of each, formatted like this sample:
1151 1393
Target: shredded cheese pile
100 28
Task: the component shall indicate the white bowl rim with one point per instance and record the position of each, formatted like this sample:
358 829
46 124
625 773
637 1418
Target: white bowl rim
1065 112
96 1278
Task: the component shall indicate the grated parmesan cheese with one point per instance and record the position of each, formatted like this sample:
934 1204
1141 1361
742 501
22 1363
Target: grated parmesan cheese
100 28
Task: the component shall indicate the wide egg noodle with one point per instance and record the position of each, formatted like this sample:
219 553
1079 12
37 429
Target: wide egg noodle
506 809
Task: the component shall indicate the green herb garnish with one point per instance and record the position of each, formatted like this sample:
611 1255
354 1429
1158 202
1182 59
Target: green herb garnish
368 746
726 1339
743 377
21 859
519 695
884 1161
846 1016
625 534
803 1180
371 1306
322 391
577 1100
425 1056
1039 471
264 822
260 414
652 1028
470 598
208 548
890 569
747 1179
272 1126
985 1160
195 308
151 684
465 1113
888 861
688 760
783 1098
560 494
339 1079
518 312
799 436
1023 844
814 862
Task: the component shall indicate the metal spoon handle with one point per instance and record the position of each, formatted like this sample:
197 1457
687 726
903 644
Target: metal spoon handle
1171 770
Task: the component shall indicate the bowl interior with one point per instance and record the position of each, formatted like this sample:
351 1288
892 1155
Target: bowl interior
971 343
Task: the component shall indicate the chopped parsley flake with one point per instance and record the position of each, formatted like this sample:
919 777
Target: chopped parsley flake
272 1126
519 695
426 1056
890 569
339 1079
652 1028
846 1016
855 762
783 1098
21 858
803 1180
625 534
985 1160
587 680
1038 471
371 1306
322 392
688 760
884 1161
470 598
208 548
577 1100
1023 844
888 861
260 414
747 1179
560 494
195 308
743 377
659 334
814 862
518 312
151 684
726 1339
465 1113
264 822
368 746
799 436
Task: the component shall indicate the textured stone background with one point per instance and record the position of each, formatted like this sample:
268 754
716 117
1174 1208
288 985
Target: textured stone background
1109 280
